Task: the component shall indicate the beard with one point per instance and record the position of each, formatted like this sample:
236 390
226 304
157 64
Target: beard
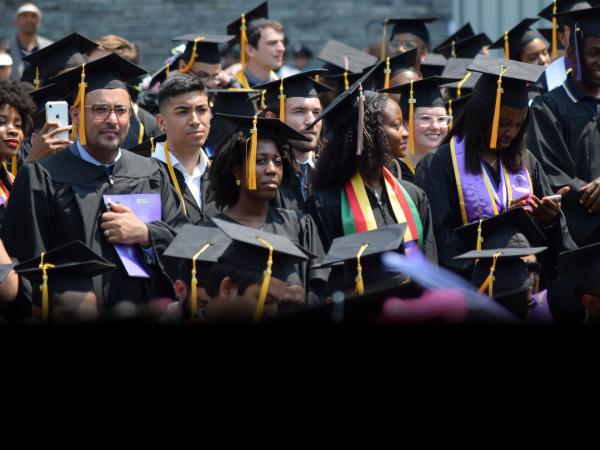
304 147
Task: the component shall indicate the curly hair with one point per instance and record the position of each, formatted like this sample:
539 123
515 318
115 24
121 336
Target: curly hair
13 93
338 160
231 154
474 124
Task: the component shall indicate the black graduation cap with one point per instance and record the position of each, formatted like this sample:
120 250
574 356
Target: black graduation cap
66 53
433 65
233 101
74 259
499 231
416 26
514 40
393 64
162 74
260 12
578 259
516 77
109 72
563 6
364 250
146 148
301 84
426 92
202 48
455 106
466 48
457 68
191 255
345 106
587 20
341 58
462 33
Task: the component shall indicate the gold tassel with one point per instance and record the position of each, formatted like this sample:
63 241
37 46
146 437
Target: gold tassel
388 74
174 178
496 121
264 287
281 102
80 102
451 114
506 49
37 82
194 282
251 155
554 32
453 50
44 288
360 284
383 52
461 83
263 103
151 144
411 120
167 70
360 131
13 165
192 60
243 39
479 235
346 84
489 281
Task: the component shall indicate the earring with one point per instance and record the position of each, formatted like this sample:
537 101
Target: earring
237 182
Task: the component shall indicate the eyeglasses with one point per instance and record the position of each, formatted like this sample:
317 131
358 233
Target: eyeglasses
425 120
206 76
407 45
101 112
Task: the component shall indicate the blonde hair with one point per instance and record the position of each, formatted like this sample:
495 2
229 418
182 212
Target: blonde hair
121 46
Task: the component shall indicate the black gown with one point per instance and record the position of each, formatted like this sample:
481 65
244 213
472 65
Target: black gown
301 230
564 135
435 174
294 196
149 124
6 180
325 208
405 172
59 199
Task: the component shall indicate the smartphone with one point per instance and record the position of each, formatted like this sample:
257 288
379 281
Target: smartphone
554 198
58 112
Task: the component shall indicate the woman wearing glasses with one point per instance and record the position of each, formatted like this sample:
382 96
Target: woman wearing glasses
426 118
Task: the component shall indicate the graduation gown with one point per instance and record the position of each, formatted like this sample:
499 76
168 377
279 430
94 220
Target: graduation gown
564 135
142 125
301 230
294 196
325 208
401 170
59 199
435 174
7 181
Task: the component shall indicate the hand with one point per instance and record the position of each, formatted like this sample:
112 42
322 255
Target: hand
521 202
590 196
546 210
44 144
223 79
124 227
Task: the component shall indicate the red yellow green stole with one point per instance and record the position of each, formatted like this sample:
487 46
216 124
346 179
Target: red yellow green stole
357 214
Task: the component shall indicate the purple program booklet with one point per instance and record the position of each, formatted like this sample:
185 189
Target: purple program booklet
147 208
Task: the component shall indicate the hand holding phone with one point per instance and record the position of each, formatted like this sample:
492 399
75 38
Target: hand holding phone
58 112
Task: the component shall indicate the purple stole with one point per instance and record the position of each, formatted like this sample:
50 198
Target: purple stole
478 197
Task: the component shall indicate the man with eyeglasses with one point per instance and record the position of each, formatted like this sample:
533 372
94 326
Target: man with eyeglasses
66 196
408 34
202 59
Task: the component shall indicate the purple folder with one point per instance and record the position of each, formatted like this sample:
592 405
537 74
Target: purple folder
147 208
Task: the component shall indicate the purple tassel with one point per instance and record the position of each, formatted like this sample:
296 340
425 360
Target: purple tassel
577 57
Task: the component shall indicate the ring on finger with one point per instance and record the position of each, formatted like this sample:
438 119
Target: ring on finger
106 233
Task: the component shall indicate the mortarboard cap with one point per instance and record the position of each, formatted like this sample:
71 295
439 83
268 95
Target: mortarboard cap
498 231
341 59
504 81
162 74
196 248
70 260
63 54
455 106
146 148
462 33
389 67
551 13
433 65
297 49
425 92
239 28
457 68
416 26
466 48
360 253
253 127
250 247
109 72
514 40
301 84
201 48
